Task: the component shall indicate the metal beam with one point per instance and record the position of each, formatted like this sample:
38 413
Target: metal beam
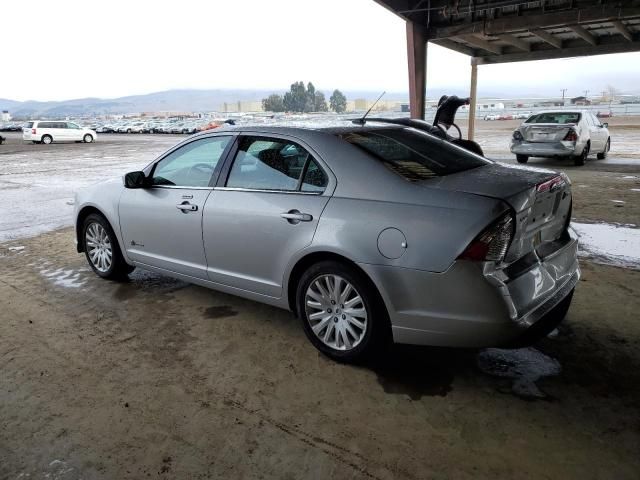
622 30
417 61
547 37
458 47
509 24
480 43
471 129
584 34
606 46
516 42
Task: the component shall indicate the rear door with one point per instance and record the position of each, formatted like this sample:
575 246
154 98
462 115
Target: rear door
162 225
598 134
264 211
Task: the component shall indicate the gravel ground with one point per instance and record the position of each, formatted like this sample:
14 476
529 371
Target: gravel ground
157 378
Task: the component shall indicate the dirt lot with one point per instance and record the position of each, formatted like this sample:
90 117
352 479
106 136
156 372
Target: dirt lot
157 378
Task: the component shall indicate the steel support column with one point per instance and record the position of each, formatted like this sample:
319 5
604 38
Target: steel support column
472 106
417 60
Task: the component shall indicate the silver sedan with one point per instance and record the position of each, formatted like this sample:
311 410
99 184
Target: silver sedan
367 233
562 134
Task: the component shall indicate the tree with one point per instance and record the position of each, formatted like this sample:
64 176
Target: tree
319 103
273 103
338 101
311 98
295 100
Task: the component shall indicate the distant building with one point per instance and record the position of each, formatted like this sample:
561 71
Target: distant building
580 101
362 104
241 107
5 116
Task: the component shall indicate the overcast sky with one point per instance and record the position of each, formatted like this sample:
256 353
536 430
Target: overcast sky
63 49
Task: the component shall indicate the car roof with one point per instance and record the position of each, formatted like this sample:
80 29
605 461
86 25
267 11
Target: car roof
306 132
560 111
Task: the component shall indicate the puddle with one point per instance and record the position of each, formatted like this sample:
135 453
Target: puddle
221 311
125 291
147 280
416 372
525 366
609 244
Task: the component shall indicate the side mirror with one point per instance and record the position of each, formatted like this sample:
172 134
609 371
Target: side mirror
605 125
135 180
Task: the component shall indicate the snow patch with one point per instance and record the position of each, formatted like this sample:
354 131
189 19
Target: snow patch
16 249
609 244
61 277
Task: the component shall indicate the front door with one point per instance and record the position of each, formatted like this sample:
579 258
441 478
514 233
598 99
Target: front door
267 210
162 225
73 132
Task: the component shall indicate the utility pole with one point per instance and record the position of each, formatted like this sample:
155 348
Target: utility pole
586 93
563 90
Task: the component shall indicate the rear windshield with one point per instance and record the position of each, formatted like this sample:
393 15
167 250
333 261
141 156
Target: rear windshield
413 154
556 117
28 125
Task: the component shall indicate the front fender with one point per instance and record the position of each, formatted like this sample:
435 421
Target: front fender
105 198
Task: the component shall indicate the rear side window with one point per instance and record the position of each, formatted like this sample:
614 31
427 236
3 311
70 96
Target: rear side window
315 180
413 154
555 117
271 164
45 125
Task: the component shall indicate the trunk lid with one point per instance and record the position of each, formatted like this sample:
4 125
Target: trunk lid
545 132
539 198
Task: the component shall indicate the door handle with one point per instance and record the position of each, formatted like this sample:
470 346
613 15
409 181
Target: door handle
187 207
295 216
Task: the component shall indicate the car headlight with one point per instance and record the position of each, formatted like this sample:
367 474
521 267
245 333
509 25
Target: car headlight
517 135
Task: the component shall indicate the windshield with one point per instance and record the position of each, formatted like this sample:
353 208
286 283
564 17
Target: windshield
413 154
555 117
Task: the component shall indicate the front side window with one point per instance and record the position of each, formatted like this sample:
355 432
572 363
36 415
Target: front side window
191 165
268 164
73 125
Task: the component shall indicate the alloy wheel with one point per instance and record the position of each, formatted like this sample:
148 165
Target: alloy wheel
336 312
98 247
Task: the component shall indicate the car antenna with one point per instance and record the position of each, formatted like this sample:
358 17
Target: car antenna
362 121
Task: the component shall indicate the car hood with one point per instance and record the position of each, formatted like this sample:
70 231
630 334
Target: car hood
511 183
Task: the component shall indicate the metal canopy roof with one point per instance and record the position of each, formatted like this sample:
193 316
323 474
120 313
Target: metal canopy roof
500 31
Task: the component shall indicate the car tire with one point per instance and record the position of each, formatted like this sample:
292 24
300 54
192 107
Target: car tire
349 334
580 160
46 139
87 138
607 147
522 158
105 259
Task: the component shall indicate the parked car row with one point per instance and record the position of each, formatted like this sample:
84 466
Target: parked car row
507 116
158 126
11 127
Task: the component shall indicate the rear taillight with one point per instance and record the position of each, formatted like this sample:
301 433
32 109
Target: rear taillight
517 135
492 244
552 184
33 131
571 136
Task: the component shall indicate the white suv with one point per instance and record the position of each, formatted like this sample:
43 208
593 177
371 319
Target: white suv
44 131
